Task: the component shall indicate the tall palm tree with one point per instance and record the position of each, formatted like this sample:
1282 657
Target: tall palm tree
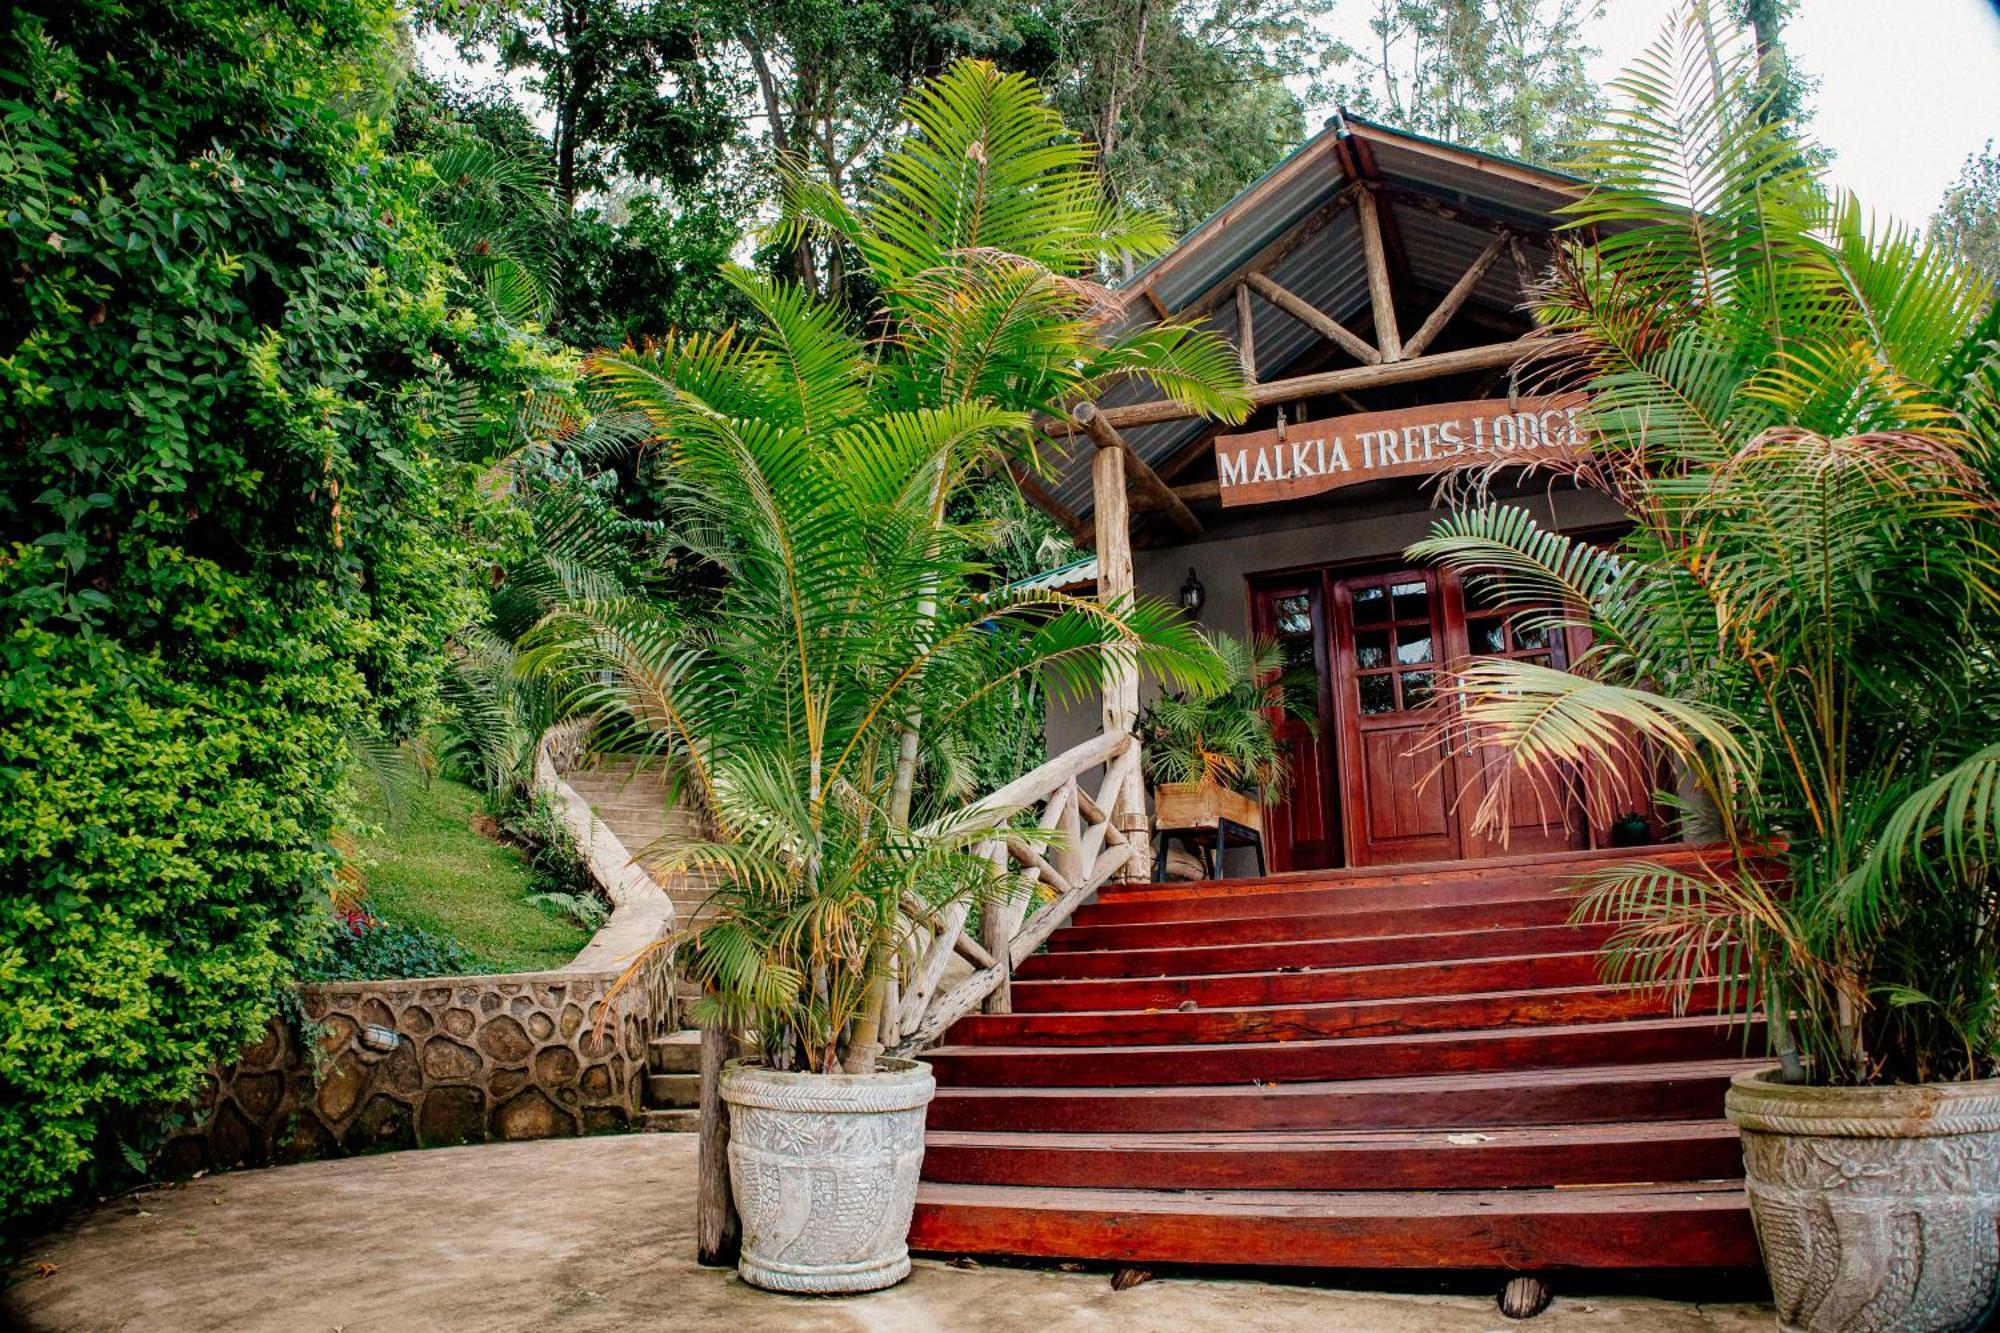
1799 408
845 607
812 466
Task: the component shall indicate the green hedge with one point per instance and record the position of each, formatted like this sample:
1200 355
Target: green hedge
242 423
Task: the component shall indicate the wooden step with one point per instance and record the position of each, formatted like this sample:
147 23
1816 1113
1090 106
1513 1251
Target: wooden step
1309 952
1669 1090
1501 1157
1551 866
1464 976
1662 1226
1554 1047
1530 907
1375 1017
1413 1066
1316 900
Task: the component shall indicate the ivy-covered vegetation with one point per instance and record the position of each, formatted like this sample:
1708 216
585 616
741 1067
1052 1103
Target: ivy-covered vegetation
241 386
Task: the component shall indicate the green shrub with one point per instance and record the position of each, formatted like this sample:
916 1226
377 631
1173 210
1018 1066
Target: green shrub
358 947
155 835
242 419
557 866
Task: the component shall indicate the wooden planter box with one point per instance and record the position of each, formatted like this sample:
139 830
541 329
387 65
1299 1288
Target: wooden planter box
1204 805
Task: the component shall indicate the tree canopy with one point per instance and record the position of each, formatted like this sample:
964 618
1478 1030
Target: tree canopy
1967 221
1503 75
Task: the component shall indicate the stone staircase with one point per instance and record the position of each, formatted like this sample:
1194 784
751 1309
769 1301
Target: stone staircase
673 1083
632 802
1411 1066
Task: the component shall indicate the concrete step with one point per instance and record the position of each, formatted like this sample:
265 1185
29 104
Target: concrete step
676 1053
652 1121
673 1090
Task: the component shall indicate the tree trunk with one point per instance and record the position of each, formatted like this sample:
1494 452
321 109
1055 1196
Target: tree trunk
718 1231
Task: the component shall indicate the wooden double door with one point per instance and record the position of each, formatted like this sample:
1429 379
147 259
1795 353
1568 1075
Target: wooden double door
1377 782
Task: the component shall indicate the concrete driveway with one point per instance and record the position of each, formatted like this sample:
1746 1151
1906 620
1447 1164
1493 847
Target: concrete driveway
576 1235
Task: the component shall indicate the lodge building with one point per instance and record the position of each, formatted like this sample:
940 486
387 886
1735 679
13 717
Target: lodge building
1374 284
1396 1050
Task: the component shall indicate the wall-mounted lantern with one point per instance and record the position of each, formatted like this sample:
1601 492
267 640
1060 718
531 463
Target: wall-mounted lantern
1192 593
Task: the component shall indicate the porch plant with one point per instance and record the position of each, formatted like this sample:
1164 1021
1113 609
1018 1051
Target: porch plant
1216 755
809 469
1800 411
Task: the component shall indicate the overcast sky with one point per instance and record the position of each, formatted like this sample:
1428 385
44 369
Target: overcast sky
1907 87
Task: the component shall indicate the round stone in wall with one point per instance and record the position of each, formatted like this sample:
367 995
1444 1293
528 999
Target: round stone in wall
530 1115
451 1115
446 1059
557 1066
505 1040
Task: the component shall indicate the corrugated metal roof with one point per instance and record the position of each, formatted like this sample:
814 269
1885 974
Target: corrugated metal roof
1430 187
1076 573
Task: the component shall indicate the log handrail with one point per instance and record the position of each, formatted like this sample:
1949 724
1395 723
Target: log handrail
931 936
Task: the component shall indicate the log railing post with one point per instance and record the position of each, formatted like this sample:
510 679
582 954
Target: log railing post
1121 675
998 920
718 1231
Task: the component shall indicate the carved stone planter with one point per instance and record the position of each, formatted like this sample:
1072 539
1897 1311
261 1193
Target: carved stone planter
1876 1208
824 1169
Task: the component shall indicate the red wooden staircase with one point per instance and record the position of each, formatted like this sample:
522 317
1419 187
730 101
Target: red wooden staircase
1409 1067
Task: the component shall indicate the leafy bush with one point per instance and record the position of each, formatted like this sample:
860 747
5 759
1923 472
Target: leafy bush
557 865
1227 737
586 909
155 834
232 385
358 947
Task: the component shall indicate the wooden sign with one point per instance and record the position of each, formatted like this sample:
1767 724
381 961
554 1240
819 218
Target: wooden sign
1316 456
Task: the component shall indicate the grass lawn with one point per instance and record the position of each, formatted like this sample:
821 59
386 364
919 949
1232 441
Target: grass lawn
428 868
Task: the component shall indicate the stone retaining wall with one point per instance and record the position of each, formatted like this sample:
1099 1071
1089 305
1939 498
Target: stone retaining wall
444 1060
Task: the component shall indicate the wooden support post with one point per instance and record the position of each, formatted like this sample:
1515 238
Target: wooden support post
718 1231
1246 334
1525 1297
1121 677
1316 319
1380 295
1455 298
1524 274
1108 441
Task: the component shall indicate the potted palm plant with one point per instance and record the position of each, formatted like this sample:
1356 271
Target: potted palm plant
1215 756
1801 413
810 469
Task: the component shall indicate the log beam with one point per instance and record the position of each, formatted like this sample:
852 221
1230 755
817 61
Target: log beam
1092 420
1315 319
1437 365
1380 295
1455 298
1246 334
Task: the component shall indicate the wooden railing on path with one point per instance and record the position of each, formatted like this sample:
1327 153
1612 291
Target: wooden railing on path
1087 849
